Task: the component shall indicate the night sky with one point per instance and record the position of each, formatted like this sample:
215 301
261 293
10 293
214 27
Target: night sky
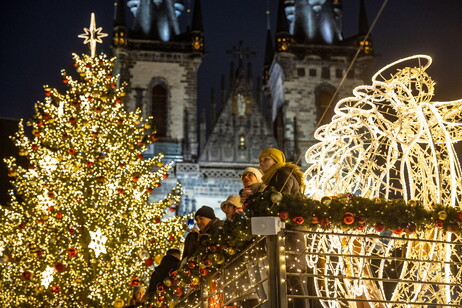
38 38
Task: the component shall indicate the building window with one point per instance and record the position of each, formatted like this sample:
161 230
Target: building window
159 110
242 145
325 73
301 72
312 72
325 112
338 73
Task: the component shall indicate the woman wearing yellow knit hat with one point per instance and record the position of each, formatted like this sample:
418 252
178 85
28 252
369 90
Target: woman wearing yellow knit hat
283 176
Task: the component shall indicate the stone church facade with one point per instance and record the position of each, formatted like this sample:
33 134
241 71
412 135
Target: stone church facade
303 67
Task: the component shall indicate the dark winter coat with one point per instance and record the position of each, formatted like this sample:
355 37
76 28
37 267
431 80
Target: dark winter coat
286 181
194 239
169 263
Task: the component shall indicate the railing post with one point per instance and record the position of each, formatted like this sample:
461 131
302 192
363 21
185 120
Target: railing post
277 271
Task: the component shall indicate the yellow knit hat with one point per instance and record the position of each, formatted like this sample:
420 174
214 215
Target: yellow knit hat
275 154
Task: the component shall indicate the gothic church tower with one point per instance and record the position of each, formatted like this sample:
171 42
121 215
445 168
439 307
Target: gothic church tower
310 59
161 65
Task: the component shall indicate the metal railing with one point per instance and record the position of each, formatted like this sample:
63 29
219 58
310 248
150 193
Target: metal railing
335 268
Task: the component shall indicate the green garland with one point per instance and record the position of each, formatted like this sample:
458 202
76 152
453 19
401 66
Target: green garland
345 211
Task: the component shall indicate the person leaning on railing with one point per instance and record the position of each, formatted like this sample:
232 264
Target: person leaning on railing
208 225
287 178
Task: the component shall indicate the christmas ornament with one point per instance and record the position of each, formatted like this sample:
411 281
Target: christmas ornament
276 197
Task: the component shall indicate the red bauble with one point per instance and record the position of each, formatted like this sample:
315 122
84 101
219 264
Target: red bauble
324 222
172 209
26 275
148 262
118 100
149 190
98 110
179 291
39 252
283 215
108 76
459 215
165 175
51 195
72 151
314 220
154 138
65 80
398 230
90 98
55 289
72 120
120 190
361 227
212 248
72 252
89 163
171 237
71 231
50 208
439 223
173 274
348 218
140 156
21 226
34 146
120 122
160 298
59 215
191 264
203 271
134 282
157 184
47 93
361 219
298 220
160 288
101 179
59 267
156 219
207 262
379 227
135 178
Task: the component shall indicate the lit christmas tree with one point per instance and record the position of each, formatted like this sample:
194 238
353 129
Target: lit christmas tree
80 230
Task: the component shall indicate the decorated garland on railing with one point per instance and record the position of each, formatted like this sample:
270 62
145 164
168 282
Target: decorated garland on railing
346 211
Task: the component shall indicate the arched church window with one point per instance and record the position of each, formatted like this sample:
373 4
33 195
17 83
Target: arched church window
159 109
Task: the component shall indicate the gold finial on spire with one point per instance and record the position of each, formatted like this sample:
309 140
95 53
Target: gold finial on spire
92 35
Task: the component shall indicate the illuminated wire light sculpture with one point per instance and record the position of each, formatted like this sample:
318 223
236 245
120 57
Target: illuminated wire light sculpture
389 141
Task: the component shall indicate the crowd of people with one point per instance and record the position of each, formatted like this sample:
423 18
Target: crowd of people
274 172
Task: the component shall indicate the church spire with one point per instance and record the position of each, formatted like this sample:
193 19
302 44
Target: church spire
269 48
283 37
197 29
363 29
120 26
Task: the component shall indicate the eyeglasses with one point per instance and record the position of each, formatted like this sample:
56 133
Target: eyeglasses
248 174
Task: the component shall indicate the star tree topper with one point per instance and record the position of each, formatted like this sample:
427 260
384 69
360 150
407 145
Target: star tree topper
92 35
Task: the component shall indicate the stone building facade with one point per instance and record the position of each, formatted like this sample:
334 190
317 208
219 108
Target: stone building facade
303 68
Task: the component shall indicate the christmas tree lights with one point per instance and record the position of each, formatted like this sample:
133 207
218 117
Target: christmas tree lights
80 230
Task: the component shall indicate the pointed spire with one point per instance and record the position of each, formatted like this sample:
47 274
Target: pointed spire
363 27
269 49
283 37
282 25
119 14
197 24
119 38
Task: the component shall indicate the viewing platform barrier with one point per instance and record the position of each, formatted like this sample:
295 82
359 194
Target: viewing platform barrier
334 268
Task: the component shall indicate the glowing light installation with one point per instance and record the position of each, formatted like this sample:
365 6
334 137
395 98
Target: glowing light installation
80 213
390 141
